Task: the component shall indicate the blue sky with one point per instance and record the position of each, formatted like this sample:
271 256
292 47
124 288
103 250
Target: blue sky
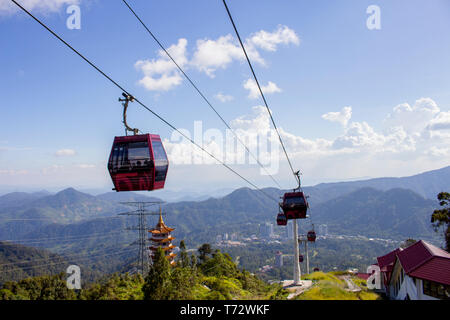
60 116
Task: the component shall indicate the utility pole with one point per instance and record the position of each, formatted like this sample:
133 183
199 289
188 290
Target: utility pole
141 212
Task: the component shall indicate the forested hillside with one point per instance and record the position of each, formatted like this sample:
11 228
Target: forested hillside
18 262
210 275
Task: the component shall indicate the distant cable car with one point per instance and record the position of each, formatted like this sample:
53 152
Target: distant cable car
316 269
294 203
281 219
137 162
311 236
300 258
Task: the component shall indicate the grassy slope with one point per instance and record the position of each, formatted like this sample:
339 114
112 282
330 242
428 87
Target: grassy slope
328 286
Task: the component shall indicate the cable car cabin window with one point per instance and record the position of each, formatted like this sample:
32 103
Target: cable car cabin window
161 163
133 156
158 151
138 151
295 201
160 174
138 156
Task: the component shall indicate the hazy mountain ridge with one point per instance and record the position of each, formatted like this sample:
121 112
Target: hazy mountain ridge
241 206
367 211
427 184
74 222
15 199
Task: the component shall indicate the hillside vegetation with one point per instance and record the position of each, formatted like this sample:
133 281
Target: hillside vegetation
18 262
328 286
207 276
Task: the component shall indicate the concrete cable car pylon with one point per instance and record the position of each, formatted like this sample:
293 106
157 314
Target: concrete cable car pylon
297 270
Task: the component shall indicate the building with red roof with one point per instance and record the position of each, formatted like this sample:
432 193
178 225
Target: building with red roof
386 264
418 272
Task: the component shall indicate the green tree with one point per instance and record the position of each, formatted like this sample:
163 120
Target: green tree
182 283
157 282
38 288
441 217
184 259
115 287
204 252
220 264
193 261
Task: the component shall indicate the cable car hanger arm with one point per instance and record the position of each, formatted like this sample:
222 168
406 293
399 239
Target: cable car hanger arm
297 176
128 98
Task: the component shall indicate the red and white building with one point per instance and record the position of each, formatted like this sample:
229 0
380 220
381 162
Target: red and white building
418 272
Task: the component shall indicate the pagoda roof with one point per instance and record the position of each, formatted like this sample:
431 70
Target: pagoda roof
163 239
161 227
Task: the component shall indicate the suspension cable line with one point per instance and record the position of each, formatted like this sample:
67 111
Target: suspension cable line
140 103
198 91
259 87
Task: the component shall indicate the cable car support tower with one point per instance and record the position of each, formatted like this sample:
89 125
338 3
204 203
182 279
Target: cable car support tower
297 270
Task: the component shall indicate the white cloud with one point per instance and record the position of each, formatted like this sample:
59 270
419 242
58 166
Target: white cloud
164 83
269 40
438 152
162 74
65 152
43 6
211 55
359 143
341 117
359 135
85 166
258 122
440 122
53 169
254 93
412 118
13 172
223 97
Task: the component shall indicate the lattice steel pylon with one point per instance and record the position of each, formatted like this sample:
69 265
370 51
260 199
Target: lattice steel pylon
141 212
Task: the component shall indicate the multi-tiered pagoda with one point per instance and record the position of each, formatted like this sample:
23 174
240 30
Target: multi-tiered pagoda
161 238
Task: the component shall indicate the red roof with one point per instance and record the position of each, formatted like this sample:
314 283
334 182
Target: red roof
364 276
437 269
425 261
386 262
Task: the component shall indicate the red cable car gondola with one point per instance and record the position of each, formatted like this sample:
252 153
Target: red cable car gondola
281 219
137 162
294 203
300 258
311 236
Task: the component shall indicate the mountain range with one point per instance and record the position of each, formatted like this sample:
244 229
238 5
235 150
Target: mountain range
75 222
